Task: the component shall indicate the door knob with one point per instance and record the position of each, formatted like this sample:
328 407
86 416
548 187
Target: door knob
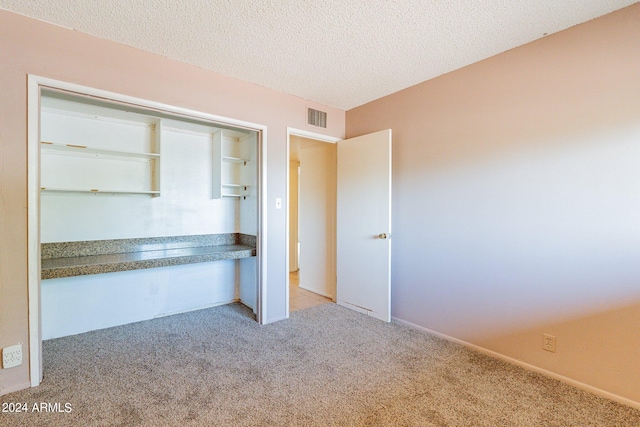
384 236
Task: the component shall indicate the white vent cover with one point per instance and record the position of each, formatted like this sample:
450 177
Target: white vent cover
316 118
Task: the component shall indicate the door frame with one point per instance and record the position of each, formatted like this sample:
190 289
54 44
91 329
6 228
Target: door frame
34 86
303 134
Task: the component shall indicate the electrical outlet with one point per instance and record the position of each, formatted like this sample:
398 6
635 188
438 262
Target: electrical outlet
12 356
549 343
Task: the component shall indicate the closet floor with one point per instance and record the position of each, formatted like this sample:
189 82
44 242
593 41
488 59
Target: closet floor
299 298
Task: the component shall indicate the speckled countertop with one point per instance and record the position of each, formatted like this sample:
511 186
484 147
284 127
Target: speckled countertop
67 259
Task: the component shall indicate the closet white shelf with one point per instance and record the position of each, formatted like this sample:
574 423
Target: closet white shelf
234 160
97 191
82 149
237 190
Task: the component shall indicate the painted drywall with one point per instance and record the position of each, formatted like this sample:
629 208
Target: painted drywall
515 198
294 166
30 46
185 206
317 216
73 305
248 175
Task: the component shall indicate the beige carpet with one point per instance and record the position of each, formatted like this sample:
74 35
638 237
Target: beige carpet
325 366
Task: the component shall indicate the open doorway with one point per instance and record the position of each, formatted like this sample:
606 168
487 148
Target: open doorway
312 221
357 270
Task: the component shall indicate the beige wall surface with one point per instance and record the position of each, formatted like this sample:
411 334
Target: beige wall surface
28 46
317 216
293 215
516 199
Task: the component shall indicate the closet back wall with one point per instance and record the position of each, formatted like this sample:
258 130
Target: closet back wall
185 206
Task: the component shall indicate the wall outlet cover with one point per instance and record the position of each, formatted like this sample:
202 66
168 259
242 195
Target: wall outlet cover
12 356
549 343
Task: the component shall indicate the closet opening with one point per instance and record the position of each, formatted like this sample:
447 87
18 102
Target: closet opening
137 210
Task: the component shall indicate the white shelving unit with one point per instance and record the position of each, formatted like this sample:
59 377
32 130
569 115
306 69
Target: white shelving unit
234 154
96 150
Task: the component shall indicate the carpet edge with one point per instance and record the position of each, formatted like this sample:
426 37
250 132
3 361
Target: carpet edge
580 385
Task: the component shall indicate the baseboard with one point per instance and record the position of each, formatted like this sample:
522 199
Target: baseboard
15 387
277 319
527 366
200 307
315 291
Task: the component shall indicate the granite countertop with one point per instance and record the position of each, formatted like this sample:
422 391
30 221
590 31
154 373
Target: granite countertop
67 259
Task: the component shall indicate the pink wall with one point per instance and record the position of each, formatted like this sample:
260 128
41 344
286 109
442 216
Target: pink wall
516 200
28 46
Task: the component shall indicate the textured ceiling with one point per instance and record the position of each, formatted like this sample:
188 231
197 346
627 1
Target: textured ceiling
341 53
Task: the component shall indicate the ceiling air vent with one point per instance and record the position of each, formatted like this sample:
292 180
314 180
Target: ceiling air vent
316 118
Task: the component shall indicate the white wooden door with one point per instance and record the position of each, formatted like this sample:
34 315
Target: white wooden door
364 224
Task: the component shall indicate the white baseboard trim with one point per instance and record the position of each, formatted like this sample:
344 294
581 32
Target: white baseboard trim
527 366
277 319
200 307
315 291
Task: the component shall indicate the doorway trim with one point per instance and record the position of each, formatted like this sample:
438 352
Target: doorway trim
34 86
303 134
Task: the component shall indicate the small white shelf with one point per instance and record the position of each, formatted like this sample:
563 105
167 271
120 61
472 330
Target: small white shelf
73 149
234 160
97 191
235 190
